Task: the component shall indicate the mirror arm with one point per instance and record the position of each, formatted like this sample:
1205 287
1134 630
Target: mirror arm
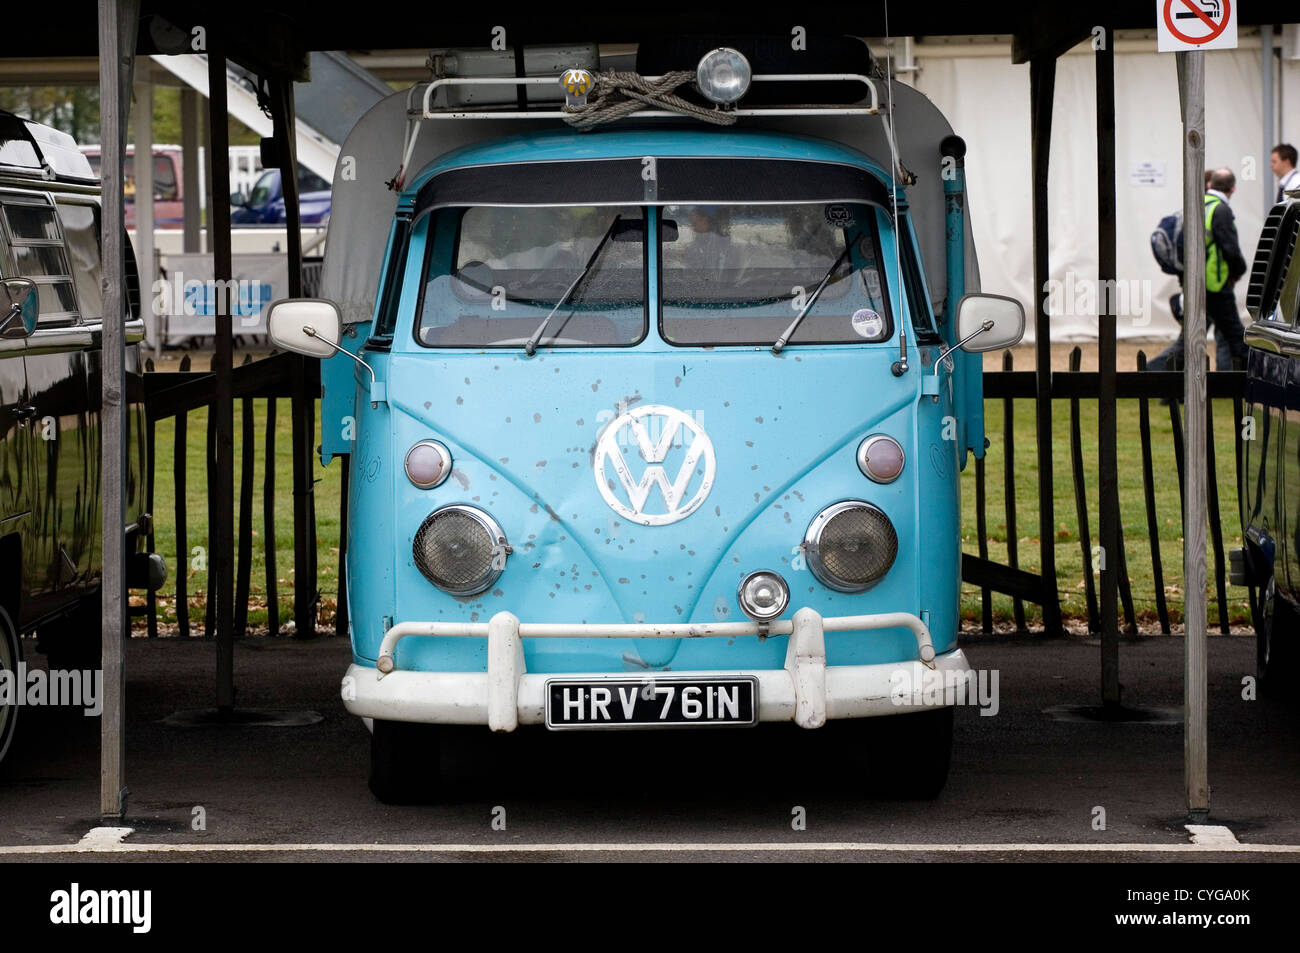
376 388
943 355
14 311
986 326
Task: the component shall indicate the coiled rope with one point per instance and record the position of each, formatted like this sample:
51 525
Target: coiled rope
619 93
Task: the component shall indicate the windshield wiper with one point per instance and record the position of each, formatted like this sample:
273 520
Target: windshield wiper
530 348
812 300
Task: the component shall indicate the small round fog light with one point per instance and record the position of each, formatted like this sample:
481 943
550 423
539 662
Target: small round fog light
723 75
428 463
763 595
880 458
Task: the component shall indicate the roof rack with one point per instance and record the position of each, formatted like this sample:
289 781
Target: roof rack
451 112
426 111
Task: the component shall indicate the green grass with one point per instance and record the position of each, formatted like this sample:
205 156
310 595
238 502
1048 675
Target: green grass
1133 520
1069 555
327 487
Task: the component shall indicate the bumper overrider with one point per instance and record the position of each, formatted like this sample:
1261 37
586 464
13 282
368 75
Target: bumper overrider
806 691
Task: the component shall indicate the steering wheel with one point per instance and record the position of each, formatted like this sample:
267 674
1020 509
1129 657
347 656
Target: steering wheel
473 282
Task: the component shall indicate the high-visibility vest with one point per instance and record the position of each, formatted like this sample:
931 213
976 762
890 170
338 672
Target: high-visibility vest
1216 267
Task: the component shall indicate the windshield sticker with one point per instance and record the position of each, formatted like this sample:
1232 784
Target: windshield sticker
868 323
873 283
839 216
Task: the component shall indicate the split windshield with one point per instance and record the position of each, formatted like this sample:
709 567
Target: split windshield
741 274
577 276
493 275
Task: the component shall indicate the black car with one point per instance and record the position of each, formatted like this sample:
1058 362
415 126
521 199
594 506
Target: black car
1270 484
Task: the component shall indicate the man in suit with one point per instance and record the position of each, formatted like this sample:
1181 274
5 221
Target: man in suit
1283 162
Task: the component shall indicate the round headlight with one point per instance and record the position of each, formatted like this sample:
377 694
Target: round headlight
850 546
880 458
723 75
428 463
460 549
763 595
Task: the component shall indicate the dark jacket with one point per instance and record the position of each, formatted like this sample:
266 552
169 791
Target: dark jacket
1224 230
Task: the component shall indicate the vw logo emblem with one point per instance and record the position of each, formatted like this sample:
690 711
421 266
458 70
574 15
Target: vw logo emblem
652 434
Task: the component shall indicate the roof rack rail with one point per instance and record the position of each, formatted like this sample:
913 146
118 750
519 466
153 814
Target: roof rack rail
426 111
453 112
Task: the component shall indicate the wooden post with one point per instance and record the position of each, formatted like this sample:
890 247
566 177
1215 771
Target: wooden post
1107 434
209 603
244 565
1042 86
180 456
1009 489
268 523
1149 498
117 29
982 531
221 558
1191 89
144 189
305 374
1081 502
150 440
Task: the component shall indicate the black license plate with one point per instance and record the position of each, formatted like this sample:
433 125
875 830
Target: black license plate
651 702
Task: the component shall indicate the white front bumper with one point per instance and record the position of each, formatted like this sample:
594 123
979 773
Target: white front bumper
806 691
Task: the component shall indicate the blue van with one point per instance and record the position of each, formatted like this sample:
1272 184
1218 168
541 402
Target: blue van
652 425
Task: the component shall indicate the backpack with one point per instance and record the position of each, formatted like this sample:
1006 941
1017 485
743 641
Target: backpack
1167 243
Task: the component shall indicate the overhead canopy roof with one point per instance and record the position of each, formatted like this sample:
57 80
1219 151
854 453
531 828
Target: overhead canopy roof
276 35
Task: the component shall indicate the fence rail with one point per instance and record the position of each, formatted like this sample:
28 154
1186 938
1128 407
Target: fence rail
1076 386
178 393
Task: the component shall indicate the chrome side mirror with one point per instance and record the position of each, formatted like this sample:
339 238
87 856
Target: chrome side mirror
989 322
313 327
19 307
984 323
309 326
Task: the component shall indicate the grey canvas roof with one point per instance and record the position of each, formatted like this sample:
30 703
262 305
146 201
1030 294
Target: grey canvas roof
363 205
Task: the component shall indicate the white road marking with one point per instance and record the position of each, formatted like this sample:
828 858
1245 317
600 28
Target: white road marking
649 848
1208 834
98 838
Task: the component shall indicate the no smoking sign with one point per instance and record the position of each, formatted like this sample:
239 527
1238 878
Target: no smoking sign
1183 25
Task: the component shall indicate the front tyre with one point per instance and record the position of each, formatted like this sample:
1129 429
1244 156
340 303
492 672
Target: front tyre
1276 631
10 655
404 762
912 757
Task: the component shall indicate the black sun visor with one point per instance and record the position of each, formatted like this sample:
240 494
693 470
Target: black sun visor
661 180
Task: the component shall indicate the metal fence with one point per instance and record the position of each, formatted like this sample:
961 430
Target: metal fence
177 394
1144 387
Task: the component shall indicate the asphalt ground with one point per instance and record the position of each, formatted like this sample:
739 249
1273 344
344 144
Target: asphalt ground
1024 784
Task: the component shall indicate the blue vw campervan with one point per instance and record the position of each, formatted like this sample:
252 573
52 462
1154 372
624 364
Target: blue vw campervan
654 416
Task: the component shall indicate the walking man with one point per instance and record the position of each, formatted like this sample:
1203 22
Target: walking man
1224 265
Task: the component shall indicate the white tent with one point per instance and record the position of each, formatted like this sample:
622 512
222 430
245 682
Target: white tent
986 98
